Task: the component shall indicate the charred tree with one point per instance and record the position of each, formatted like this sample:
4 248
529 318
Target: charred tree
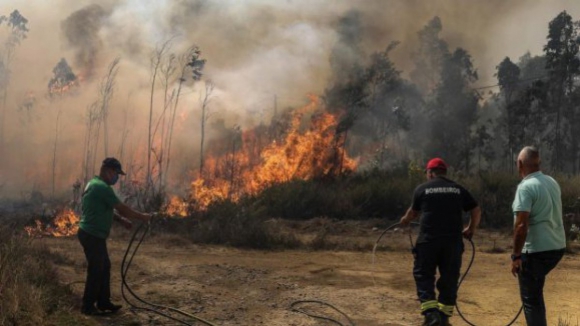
63 80
206 113
106 92
54 152
189 61
156 60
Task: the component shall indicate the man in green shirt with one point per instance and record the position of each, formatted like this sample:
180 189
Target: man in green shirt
99 203
539 239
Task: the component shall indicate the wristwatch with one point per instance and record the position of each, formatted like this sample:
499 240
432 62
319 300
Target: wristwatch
516 257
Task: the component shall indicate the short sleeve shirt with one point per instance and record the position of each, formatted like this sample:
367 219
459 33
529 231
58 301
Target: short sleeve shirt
98 203
540 195
442 203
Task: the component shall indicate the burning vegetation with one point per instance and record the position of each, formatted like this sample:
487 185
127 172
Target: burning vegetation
64 79
398 105
393 122
310 148
65 223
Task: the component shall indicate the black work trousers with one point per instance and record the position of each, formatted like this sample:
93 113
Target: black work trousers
98 282
444 255
535 267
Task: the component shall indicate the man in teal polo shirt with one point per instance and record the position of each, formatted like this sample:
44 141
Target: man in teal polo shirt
99 203
539 238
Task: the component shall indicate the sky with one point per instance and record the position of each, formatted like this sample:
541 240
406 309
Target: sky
255 50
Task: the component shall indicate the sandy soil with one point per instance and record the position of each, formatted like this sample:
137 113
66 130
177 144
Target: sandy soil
228 286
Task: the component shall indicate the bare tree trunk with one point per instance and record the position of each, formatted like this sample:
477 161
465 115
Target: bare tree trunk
343 145
3 125
184 62
98 121
88 143
205 115
106 94
167 68
124 135
18 30
172 123
156 60
510 130
233 162
232 168
54 153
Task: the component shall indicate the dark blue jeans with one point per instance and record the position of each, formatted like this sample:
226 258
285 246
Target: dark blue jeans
98 282
444 255
535 267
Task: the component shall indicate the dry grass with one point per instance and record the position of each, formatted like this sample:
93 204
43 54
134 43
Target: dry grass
568 321
29 294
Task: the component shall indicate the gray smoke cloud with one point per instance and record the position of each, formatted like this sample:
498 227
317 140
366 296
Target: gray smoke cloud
255 50
81 32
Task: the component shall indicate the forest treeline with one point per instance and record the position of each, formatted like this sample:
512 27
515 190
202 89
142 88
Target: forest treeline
394 124
438 111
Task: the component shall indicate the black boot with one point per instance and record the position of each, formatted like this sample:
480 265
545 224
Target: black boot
109 306
432 318
444 319
90 311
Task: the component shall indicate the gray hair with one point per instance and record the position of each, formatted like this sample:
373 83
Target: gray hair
530 156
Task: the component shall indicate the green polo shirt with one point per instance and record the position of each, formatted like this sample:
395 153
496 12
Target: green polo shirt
540 195
98 202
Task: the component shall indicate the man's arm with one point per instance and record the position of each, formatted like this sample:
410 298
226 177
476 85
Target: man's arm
128 212
469 231
520 234
410 216
520 231
124 221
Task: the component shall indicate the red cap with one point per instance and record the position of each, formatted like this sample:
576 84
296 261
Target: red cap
436 163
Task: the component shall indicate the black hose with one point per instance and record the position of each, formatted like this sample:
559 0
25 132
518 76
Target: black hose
461 279
157 309
294 308
293 304
148 306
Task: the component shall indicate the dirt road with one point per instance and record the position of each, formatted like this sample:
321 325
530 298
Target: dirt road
239 287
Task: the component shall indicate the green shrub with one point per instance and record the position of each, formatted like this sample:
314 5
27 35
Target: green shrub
494 193
236 225
374 194
360 196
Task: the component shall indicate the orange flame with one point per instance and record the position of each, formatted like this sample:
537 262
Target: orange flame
60 90
176 207
65 223
301 154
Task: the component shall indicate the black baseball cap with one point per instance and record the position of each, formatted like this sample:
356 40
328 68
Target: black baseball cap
113 163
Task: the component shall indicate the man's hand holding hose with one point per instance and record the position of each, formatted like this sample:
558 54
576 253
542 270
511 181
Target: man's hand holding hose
409 217
124 213
469 231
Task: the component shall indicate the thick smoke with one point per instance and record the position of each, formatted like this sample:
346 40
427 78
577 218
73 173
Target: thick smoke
81 32
256 51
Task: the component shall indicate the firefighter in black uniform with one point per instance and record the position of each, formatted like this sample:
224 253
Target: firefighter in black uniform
441 203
